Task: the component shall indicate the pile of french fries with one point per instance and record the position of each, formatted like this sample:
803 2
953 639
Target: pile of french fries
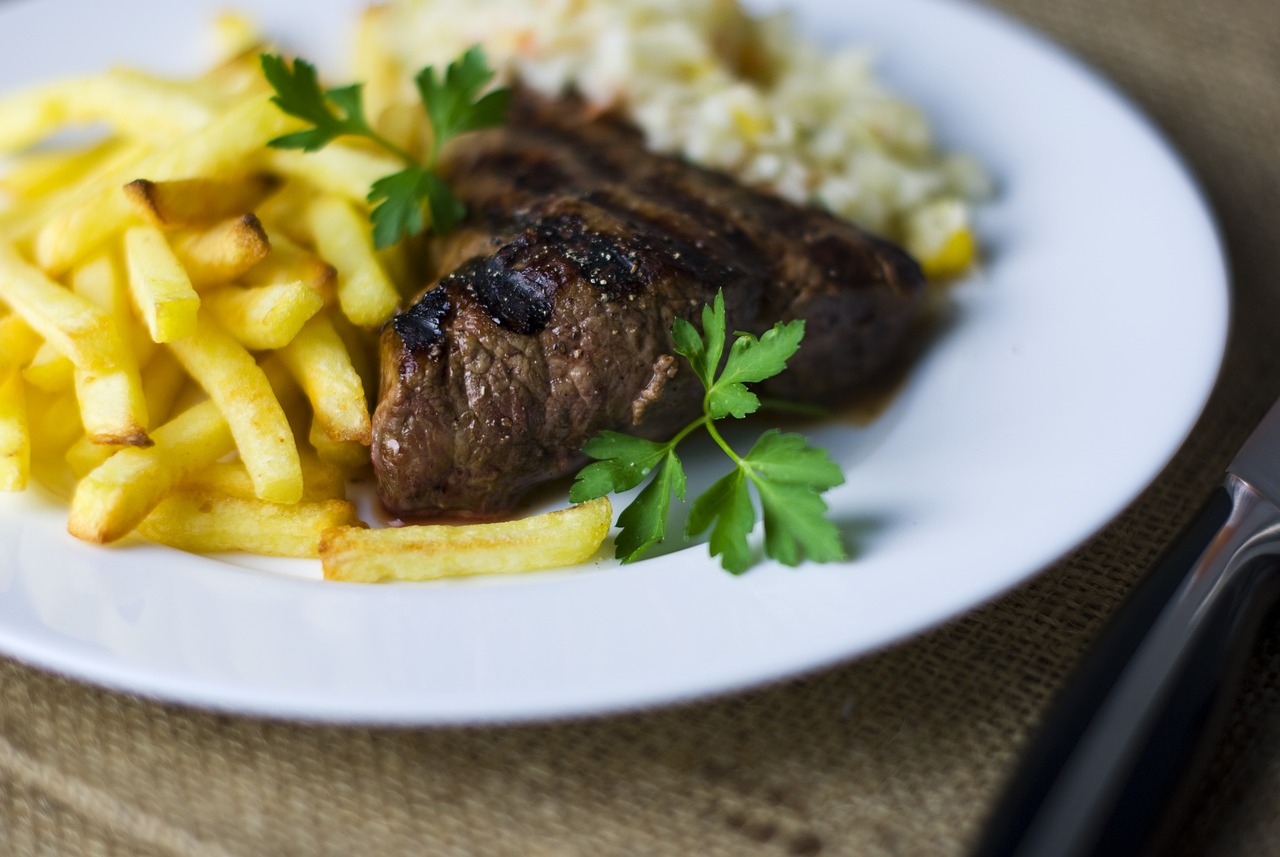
188 324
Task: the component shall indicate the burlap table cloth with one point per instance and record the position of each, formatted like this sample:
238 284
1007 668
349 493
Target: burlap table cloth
900 753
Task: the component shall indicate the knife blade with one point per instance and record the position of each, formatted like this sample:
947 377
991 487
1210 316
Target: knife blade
1118 749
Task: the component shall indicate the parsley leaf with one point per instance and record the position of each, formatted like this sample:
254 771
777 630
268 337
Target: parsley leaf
788 475
401 201
727 503
788 457
644 522
451 103
298 94
623 463
752 360
702 350
397 211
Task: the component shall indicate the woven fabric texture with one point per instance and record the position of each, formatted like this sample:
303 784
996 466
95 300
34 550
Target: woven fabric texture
901 753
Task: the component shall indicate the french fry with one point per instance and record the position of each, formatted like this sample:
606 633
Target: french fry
112 408
68 322
338 169
113 499
350 455
18 344
320 481
341 236
161 288
223 252
199 520
318 359
101 282
287 392
362 347
228 373
50 370
84 455
102 210
200 201
44 172
162 381
233 35
289 263
28 117
403 124
264 317
54 421
552 540
23 222
384 77
395 261
15 435
136 104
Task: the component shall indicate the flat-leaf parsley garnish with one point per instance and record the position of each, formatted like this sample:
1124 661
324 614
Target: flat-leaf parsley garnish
453 104
788 474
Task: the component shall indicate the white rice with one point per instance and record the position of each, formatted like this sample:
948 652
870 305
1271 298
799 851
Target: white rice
745 95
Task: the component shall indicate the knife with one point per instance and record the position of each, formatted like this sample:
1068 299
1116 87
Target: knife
1119 747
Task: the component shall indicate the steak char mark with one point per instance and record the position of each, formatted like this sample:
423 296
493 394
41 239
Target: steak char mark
553 321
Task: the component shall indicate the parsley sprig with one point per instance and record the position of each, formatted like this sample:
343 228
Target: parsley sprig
453 105
789 475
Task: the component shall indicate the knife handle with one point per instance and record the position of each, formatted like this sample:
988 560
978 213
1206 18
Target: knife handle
1118 745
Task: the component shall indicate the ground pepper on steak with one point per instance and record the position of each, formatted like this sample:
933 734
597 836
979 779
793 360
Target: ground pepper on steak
553 319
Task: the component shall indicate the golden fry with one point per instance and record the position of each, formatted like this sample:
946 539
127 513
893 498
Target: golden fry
264 317
69 323
194 519
15 435
54 421
111 501
112 407
216 148
289 263
350 455
384 77
318 359
101 282
228 373
23 222
338 169
49 370
287 393
198 202
44 172
553 540
136 104
223 252
233 35
18 344
162 380
320 481
362 347
161 288
341 236
28 117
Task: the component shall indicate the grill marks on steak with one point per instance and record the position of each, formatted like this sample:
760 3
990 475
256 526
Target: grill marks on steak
553 321
494 380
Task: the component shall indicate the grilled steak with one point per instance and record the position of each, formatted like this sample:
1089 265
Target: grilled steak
553 319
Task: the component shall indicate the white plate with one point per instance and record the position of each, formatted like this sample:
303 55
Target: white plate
1073 369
